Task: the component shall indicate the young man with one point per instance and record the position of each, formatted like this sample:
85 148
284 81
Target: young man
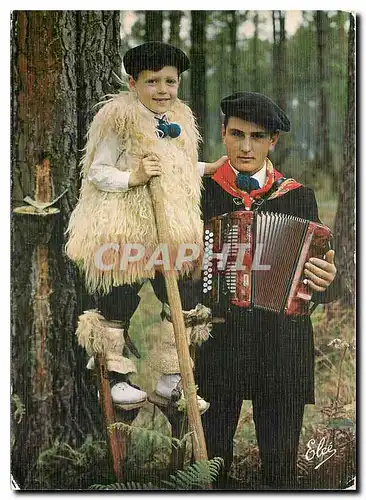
258 355
135 136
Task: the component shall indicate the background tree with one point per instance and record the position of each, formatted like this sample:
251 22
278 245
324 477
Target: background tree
323 147
255 53
59 72
279 57
279 89
233 29
198 71
345 220
175 17
153 26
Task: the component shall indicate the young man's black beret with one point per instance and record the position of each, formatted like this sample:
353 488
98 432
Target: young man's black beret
256 108
154 56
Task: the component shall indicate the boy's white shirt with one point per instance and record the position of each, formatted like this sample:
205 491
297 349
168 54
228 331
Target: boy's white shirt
103 172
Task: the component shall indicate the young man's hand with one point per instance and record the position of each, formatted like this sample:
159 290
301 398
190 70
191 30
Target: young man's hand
210 168
149 166
320 273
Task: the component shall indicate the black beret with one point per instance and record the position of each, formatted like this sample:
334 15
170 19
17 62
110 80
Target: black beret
154 56
256 108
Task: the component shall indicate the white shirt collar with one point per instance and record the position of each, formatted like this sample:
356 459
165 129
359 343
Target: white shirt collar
260 176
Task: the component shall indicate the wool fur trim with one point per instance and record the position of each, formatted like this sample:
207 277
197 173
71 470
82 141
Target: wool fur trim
197 319
127 217
163 356
115 363
96 336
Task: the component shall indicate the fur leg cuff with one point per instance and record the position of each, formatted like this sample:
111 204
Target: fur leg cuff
163 357
115 363
198 319
99 336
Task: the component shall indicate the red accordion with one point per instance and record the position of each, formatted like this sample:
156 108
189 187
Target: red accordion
256 260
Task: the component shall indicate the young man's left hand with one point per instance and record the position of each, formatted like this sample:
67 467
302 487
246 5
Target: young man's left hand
320 273
210 168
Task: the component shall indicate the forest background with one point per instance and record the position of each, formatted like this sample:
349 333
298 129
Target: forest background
63 62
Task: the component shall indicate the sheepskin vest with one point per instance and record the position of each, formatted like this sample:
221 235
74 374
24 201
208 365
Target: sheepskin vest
104 220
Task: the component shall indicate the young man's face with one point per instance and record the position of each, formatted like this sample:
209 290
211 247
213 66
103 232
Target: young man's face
157 90
247 144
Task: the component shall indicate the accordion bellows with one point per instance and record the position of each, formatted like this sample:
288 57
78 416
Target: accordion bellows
256 260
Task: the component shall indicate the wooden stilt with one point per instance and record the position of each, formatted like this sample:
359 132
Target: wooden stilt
194 418
116 440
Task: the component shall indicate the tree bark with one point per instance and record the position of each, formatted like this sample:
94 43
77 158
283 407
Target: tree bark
198 73
153 26
255 80
345 237
324 155
280 78
61 66
279 57
175 17
233 29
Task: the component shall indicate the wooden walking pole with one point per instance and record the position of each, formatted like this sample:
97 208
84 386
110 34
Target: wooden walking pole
189 388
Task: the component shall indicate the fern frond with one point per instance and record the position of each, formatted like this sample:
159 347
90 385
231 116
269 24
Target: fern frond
124 486
196 476
151 436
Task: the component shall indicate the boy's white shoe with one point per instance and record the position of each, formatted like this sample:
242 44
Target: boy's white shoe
167 383
123 393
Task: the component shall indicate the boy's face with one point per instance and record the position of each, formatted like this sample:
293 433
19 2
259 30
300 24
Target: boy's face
157 90
247 144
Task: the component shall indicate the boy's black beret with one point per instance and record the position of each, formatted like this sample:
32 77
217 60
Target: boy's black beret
256 108
154 56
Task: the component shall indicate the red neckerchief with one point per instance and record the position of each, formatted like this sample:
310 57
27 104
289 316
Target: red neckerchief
226 178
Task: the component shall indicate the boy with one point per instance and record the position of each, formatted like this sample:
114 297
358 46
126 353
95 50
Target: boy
136 135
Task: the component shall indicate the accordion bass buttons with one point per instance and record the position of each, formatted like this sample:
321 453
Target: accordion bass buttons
207 263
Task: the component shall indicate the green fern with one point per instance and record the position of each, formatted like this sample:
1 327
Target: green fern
149 436
124 486
196 477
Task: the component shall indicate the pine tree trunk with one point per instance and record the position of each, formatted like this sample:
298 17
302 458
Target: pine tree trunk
198 73
61 63
153 26
175 17
323 146
279 56
345 238
233 28
279 79
255 79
